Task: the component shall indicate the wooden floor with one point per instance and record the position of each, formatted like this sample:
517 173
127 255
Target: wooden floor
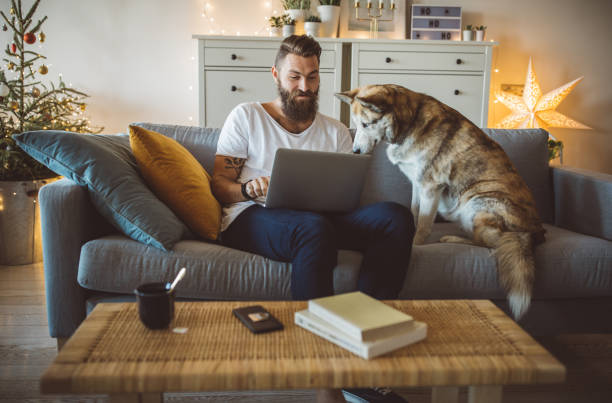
26 350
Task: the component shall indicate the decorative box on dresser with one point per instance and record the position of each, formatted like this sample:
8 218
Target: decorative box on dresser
233 70
456 73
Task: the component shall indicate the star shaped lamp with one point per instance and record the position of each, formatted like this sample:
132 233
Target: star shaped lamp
533 109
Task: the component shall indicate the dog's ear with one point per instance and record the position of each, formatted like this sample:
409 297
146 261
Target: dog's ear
375 102
347 96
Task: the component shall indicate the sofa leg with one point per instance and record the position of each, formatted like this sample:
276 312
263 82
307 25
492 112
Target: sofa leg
60 342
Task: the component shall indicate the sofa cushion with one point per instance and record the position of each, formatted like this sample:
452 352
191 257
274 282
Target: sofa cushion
178 179
384 181
118 265
568 265
526 148
528 151
106 166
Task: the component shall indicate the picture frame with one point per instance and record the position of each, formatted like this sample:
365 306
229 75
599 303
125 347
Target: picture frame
350 27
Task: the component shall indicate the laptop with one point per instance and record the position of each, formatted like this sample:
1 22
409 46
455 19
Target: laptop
316 180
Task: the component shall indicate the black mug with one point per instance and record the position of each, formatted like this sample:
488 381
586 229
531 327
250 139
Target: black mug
155 304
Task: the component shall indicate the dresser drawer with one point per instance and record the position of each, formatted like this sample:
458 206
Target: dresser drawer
241 57
226 89
463 93
381 60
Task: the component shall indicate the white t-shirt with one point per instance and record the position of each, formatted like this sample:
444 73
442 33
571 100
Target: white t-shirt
251 133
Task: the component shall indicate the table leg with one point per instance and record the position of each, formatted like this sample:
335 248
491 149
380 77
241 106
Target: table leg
485 394
137 398
445 394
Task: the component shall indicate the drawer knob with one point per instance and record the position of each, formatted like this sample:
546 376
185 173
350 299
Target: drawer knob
234 88
388 60
459 61
234 57
457 92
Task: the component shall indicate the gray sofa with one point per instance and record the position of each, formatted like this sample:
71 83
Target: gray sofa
87 261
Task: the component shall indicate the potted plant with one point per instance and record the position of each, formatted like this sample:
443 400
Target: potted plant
28 104
297 9
329 11
276 25
288 25
468 33
312 25
480 32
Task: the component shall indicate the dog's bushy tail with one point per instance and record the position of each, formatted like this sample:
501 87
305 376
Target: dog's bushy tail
515 268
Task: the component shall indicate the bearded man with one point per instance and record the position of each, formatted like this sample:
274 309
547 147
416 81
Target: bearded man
247 145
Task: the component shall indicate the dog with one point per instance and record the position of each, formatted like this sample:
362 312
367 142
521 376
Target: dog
456 170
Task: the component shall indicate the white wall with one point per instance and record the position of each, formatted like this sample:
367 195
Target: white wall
134 57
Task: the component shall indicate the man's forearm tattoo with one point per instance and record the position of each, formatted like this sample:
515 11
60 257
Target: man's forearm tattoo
235 164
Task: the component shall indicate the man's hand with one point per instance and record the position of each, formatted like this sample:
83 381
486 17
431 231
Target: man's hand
258 187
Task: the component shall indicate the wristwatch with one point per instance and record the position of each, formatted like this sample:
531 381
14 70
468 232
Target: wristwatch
244 191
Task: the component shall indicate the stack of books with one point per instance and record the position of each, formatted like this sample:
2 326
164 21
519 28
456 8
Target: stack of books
361 324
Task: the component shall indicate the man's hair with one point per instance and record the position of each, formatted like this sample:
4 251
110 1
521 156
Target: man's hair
300 45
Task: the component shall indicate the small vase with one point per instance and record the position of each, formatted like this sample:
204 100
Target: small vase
467 35
330 17
288 30
297 14
312 28
276 31
480 35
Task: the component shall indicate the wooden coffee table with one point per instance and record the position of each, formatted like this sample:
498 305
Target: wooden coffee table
469 343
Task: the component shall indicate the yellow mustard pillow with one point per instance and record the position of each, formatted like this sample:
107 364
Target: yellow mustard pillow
178 179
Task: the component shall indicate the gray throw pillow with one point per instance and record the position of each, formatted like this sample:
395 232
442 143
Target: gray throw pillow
106 166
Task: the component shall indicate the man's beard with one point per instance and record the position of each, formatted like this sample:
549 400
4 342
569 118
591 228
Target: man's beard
300 110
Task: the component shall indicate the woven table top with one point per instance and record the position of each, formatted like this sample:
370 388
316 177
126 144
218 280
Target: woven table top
468 343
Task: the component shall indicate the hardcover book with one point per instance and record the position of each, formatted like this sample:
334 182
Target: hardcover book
368 349
360 316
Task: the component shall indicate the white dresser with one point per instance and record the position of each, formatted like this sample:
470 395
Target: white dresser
233 70
236 69
456 73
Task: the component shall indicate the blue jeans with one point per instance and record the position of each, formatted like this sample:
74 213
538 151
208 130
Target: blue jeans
383 232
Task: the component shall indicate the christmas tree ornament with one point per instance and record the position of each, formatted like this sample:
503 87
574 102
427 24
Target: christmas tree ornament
35 92
43 69
42 37
12 11
13 105
10 66
83 107
4 90
30 38
13 48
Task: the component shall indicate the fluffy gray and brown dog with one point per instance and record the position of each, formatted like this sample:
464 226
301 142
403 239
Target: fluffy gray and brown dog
457 171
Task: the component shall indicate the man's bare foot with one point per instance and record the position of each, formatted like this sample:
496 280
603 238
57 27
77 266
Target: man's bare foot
330 396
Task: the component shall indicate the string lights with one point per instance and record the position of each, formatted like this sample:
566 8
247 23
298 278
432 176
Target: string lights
213 28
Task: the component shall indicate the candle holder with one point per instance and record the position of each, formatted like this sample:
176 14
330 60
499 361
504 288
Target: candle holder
374 14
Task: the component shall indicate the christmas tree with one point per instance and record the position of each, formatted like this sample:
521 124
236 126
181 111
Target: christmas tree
25 102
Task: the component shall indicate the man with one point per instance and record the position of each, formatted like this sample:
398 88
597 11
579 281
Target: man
245 152
310 241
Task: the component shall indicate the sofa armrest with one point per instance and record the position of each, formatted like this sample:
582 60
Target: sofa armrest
582 201
68 220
